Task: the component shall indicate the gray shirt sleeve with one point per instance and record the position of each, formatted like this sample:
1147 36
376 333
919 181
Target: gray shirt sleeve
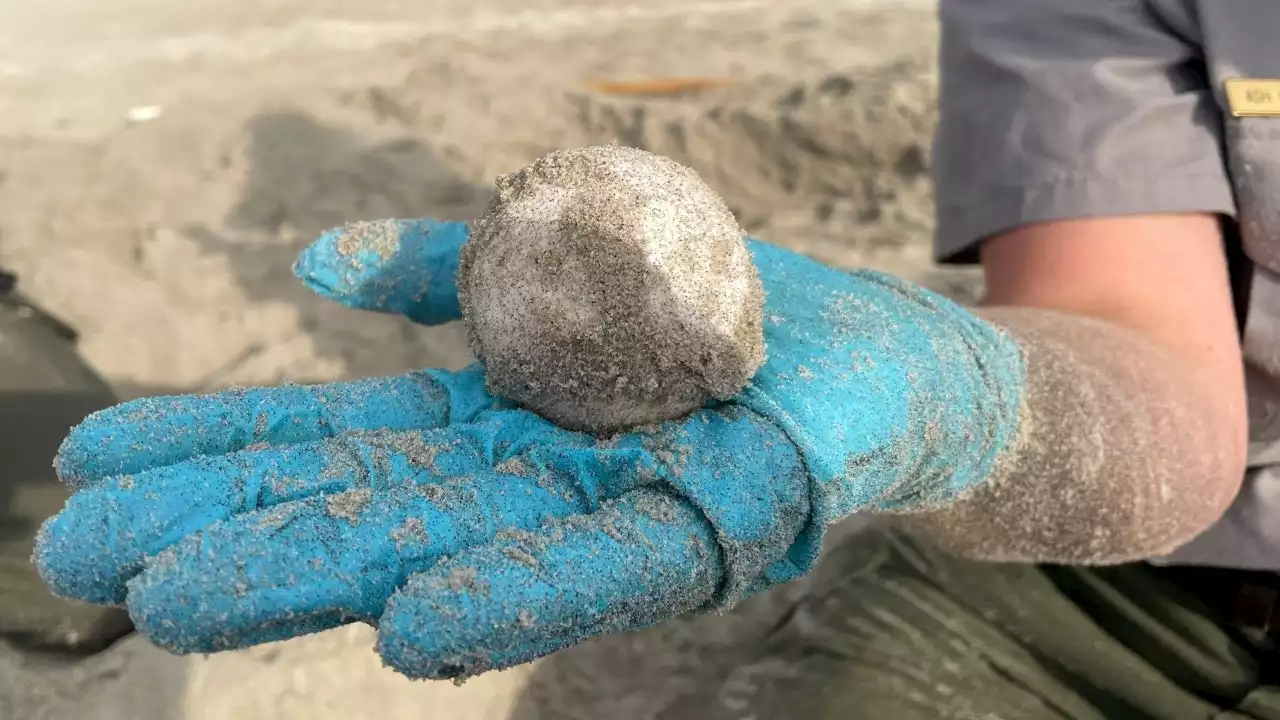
1054 109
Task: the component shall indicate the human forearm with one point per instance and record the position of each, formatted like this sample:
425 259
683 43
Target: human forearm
1125 451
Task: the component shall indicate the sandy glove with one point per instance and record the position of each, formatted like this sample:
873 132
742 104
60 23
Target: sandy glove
475 535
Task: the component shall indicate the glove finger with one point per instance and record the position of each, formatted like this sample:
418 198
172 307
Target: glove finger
104 533
406 267
153 432
640 559
324 561
103 536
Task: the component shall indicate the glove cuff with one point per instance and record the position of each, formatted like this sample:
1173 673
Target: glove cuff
913 402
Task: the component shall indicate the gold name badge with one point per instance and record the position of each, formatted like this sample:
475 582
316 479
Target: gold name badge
1253 98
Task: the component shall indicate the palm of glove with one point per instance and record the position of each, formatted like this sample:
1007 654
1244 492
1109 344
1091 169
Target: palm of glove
477 535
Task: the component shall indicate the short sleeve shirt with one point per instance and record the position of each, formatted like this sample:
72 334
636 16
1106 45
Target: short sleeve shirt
1052 110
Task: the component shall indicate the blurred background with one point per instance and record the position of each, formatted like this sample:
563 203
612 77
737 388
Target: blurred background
161 163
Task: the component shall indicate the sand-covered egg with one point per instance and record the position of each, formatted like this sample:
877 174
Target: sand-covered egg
606 287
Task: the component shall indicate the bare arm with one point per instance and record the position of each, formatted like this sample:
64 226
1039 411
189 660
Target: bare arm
1137 432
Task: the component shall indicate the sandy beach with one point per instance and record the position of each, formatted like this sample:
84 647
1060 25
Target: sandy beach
162 163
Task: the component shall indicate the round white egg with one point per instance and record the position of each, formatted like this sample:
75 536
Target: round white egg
606 288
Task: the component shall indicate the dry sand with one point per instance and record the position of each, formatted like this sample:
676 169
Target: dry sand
161 163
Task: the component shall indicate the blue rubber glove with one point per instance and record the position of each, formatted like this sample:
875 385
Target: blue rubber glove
476 535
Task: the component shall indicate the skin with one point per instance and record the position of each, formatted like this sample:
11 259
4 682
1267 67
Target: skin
1136 433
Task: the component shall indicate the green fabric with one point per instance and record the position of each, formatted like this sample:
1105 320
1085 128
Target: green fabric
890 628
44 389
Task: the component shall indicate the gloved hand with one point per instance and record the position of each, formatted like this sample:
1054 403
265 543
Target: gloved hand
476 535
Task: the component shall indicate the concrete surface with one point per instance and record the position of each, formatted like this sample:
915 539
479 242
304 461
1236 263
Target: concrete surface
162 162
